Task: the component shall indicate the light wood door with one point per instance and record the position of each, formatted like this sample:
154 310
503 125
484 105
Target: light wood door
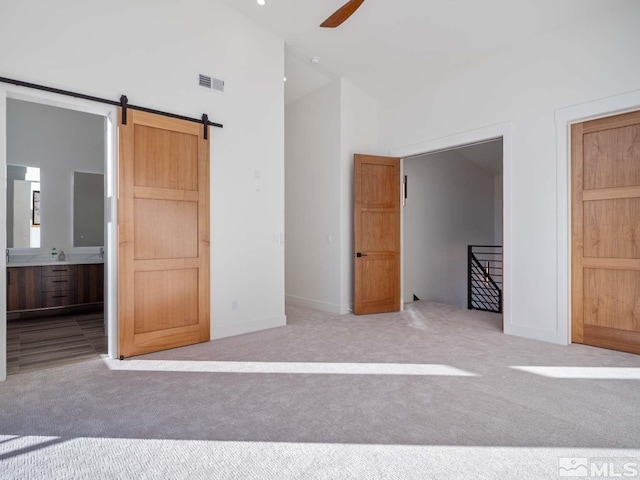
606 232
163 220
376 234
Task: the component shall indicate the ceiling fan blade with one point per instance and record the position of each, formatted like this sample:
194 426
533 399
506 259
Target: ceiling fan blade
342 14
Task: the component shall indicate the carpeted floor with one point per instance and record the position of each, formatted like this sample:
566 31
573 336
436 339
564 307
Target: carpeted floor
432 392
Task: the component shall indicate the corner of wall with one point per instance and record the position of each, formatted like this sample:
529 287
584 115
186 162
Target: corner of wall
549 336
267 323
312 209
359 134
3 236
356 128
316 304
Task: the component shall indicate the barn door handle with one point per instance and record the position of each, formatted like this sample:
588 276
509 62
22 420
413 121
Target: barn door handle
359 254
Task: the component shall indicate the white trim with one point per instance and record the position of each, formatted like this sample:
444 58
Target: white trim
111 233
248 327
318 305
3 234
491 132
402 299
80 105
61 101
564 117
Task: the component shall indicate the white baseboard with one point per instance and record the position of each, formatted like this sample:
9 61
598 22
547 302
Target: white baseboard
224 331
549 336
345 309
317 305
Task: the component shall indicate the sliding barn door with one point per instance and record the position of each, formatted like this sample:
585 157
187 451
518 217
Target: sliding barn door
377 234
163 231
606 232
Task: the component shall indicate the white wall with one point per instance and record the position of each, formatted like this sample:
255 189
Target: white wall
312 199
323 131
524 87
153 52
59 142
450 205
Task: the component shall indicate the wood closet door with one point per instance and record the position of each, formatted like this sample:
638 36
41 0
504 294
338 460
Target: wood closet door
606 232
163 231
377 234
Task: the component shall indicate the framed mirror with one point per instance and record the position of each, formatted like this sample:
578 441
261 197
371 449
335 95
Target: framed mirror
88 209
23 207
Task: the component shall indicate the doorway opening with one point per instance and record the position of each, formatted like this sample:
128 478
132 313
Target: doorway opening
59 290
452 226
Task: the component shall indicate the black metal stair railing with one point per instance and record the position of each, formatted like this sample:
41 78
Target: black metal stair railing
485 277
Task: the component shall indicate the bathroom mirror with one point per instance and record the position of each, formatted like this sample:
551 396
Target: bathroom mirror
23 207
88 209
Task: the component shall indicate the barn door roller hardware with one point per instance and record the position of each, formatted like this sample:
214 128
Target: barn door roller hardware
123 103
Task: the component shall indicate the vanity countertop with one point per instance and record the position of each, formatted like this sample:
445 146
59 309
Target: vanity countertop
39 262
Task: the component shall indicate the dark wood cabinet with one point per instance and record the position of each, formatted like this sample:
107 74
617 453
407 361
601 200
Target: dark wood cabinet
24 291
30 288
59 285
91 283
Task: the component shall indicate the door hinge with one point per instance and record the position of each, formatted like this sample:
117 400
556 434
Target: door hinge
404 192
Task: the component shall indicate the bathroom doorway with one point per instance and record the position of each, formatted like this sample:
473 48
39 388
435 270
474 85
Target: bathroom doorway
59 290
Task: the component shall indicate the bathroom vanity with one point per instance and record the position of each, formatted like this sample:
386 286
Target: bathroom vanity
38 218
54 200
54 284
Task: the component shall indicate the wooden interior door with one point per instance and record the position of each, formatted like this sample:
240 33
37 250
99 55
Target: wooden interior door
606 232
376 234
163 232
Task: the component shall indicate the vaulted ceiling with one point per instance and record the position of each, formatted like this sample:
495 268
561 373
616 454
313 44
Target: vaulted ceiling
391 46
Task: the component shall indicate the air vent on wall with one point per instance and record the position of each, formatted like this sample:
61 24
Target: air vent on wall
212 83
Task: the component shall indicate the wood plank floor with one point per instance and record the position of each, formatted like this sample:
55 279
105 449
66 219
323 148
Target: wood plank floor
37 343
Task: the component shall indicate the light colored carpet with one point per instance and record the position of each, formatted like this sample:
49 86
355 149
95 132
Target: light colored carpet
432 392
